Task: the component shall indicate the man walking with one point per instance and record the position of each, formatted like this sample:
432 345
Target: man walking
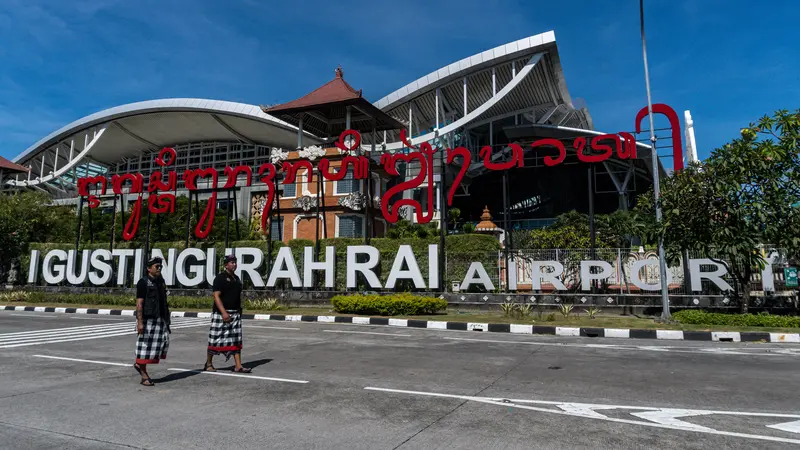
225 335
152 320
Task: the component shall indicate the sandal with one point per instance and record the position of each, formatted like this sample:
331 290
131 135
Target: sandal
209 368
147 382
243 370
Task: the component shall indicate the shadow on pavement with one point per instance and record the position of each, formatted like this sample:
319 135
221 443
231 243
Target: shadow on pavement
175 376
248 364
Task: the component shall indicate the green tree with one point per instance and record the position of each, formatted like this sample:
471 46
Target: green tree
27 217
744 196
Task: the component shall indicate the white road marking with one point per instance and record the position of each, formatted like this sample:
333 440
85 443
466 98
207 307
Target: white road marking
83 360
71 334
271 328
662 419
34 316
651 348
95 318
791 427
670 417
285 380
365 332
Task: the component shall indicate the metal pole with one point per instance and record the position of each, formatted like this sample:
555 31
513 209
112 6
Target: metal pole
443 213
91 228
505 226
189 220
592 232
665 314
227 216
236 215
78 231
113 225
317 222
324 214
368 205
147 240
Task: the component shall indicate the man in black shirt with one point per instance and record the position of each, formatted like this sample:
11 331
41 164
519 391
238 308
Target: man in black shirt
225 335
152 320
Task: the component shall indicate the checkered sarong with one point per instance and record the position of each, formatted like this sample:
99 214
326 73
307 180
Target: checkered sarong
153 343
225 338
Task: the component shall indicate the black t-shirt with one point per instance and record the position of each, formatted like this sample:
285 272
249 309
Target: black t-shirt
230 289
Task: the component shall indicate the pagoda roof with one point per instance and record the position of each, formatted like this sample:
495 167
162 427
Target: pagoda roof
324 110
8 166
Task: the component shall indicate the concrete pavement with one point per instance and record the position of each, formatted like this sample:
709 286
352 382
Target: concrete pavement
317 385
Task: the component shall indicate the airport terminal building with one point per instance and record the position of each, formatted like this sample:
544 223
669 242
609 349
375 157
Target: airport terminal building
512 94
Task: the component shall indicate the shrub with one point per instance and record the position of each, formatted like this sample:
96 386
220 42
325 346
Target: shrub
388 305
698 317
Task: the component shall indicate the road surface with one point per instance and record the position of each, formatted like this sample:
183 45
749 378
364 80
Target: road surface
66 381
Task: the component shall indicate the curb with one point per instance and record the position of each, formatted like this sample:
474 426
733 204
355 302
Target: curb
678 335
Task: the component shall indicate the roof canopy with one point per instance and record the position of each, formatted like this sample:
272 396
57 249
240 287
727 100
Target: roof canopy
8 166
324 110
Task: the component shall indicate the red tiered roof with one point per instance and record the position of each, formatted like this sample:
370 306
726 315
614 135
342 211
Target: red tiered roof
324 110
9 166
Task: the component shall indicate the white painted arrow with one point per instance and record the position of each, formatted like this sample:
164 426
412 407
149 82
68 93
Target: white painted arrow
791 427
670 417
583 410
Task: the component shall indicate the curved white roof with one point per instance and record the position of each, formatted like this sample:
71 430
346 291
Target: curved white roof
523 77
107 136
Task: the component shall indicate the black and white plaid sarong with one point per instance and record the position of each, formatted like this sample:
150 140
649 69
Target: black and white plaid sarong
225 338
153 343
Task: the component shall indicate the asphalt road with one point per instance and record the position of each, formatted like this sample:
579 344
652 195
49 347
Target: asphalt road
342 386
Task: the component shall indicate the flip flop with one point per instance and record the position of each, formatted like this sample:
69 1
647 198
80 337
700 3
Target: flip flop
209 368
147 382
243 370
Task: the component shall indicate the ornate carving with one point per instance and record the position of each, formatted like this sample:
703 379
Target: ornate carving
306 202
355 201
277 155
311 153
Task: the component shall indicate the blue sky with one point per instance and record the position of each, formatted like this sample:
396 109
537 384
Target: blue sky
728 61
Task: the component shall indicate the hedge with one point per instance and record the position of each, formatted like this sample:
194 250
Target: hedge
699 317
388 305
461 250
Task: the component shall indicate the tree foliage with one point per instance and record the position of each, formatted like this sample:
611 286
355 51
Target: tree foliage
744 196
29 216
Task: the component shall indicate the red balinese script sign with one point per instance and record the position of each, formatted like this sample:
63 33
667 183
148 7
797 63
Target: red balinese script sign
160 201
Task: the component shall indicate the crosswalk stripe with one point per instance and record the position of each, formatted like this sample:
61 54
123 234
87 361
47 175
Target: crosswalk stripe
104 326
71 334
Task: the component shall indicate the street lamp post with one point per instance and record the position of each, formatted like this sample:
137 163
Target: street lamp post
665 314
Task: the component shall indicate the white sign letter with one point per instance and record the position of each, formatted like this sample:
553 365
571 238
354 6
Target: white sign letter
329 266
715 276
251 268
587 276
100 260
477 274
551 277
365 268
286 258
122 266
405 254
72 261
636 278
54 273
433 266
33 268
194 269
